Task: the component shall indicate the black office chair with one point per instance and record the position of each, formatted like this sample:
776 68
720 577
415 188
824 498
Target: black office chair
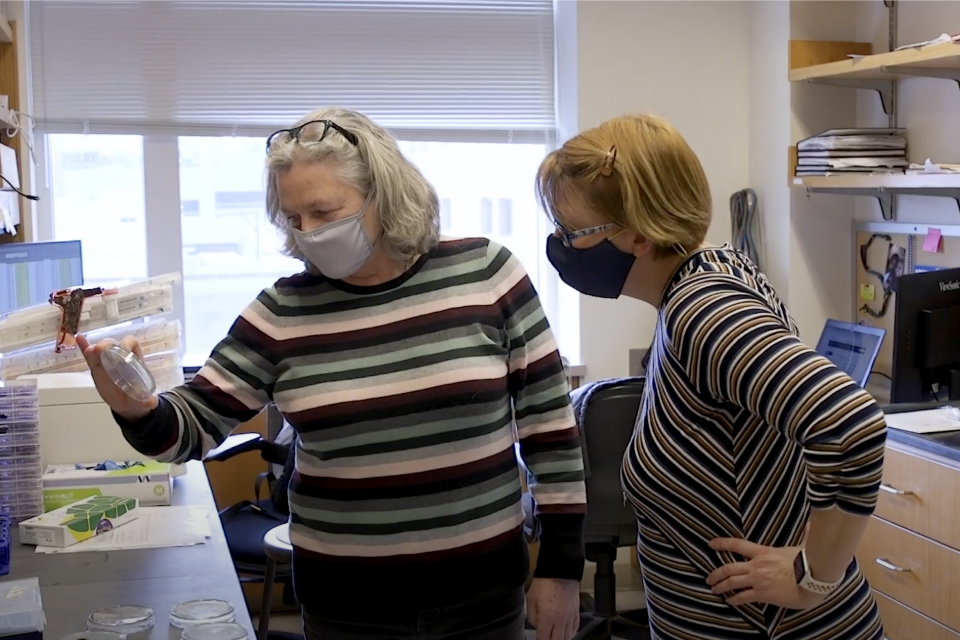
246 523
607 413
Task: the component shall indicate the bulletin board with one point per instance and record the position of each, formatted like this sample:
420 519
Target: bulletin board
896 249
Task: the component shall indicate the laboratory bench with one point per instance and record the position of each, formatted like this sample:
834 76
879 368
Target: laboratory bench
73 585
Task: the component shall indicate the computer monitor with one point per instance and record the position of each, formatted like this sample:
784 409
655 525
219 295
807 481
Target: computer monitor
926 343
31 271
852 348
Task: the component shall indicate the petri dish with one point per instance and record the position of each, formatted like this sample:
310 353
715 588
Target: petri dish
214 631
126 620
187 614
128 372
94 635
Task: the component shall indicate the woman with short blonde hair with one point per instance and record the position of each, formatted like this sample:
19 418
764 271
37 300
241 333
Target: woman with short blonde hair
746 437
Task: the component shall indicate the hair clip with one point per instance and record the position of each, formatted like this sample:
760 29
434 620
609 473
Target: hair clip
606 170
679 248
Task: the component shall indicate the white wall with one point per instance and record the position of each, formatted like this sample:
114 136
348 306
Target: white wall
821 238
769 135
687 62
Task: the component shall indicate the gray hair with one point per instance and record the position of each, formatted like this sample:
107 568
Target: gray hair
406 204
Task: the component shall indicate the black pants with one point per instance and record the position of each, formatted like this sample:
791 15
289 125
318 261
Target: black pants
497 618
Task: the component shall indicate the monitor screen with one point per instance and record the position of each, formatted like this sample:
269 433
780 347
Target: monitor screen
31 271
852 348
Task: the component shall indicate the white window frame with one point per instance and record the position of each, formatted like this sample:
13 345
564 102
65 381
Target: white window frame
161 169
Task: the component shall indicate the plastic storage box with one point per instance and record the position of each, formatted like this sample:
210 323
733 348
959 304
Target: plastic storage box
21 611
21 487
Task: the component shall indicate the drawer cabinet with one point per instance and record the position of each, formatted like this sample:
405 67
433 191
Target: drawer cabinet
903 623
912 570
922 496
910 551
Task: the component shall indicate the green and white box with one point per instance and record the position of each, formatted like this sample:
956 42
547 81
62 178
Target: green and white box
79 521
151 483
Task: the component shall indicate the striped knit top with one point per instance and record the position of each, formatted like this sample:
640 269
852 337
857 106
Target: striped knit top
742 430
407 398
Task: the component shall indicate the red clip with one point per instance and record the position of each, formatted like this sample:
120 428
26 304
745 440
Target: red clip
70 302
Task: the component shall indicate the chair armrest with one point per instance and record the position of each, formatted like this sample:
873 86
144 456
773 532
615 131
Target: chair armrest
234 446
531 525
275 453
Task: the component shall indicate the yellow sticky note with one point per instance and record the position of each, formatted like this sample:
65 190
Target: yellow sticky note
868 292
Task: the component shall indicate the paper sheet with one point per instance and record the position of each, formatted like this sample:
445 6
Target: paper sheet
931 243
929 421
154 527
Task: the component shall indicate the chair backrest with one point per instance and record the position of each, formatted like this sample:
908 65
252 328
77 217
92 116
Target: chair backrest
607 422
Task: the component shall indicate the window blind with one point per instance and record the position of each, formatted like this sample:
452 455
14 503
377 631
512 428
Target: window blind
431 70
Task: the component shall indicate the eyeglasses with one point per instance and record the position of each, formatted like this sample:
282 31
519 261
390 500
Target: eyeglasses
567 237
313 132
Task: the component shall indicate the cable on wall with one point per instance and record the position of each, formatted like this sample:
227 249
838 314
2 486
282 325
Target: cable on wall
16 126
745 224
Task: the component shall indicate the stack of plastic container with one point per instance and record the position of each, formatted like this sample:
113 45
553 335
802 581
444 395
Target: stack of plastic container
21 488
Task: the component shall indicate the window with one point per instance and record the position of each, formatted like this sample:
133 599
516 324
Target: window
189 207
230 250
506 217
446 219
97 197
506 169
486 216
190 134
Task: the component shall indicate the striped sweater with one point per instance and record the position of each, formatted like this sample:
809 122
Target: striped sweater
742 430
407 398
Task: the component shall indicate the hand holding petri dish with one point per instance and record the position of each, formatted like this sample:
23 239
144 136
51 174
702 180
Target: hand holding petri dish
128 372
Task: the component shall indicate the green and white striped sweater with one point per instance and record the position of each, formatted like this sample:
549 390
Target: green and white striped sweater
407 398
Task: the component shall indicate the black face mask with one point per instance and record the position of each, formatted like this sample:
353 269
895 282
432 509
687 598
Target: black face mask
599 271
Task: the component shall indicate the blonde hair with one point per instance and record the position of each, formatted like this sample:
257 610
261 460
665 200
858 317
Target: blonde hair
639 173
406 204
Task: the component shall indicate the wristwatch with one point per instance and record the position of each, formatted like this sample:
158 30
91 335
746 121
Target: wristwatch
801 569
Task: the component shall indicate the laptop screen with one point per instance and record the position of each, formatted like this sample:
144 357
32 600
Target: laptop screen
852 348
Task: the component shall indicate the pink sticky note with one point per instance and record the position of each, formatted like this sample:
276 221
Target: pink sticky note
931 243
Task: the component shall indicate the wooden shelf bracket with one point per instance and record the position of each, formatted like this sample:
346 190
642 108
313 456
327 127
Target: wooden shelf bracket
886 196
884 88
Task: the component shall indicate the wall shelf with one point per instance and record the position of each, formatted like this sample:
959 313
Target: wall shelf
884 187
878 71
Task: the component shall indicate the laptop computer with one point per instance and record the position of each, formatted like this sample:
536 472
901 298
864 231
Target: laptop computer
852 348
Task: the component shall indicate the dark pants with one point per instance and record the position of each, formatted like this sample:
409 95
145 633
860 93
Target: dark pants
497 618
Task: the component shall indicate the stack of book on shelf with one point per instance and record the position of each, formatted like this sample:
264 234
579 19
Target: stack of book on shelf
852 151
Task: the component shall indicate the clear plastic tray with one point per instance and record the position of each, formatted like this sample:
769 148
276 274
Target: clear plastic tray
20 472
215 631
19 437
194 612
19 450
20 610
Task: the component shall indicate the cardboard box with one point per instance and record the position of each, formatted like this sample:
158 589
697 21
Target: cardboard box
150 483
79 521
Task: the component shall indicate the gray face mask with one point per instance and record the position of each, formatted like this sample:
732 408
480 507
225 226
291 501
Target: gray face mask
337 249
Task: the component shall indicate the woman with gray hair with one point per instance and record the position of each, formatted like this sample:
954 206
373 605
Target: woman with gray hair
408 366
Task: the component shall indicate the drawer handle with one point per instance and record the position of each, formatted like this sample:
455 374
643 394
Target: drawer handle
895 491
886 564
